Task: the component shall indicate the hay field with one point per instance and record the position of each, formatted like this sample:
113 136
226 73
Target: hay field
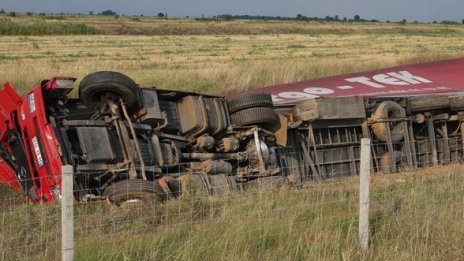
223 63
414 215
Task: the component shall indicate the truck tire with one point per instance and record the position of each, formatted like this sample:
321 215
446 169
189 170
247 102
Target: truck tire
194 185
387 159
222 185
262 116
428 103
170 186
249 100
99 84
134 190
457 102
388 109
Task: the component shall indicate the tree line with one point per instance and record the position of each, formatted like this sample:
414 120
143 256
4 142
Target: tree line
229 17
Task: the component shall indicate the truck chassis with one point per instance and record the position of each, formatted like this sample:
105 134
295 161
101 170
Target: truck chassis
128 144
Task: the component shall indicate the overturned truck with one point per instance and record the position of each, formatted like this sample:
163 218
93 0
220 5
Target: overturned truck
406 133
127 143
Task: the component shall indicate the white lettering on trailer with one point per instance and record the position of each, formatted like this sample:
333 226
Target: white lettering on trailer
345 87
31 99
38 154
318 90
378 81
297 95
408 77
365 81
276 98
383 78
307 93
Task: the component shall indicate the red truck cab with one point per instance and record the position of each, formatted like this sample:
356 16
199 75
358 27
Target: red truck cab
128 143
30 154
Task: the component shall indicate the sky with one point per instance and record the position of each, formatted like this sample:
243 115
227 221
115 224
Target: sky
393 10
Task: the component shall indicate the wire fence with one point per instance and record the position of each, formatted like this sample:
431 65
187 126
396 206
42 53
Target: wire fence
309 210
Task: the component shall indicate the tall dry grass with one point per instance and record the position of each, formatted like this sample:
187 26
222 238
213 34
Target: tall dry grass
215 64
413 216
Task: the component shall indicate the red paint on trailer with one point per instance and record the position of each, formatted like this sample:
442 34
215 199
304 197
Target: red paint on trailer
419 79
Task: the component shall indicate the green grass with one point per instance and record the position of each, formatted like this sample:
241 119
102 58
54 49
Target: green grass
296 46
414 216
39 27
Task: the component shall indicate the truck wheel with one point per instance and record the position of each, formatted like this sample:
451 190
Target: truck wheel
170 186
195 184
222 185
428 103
95 86
249 100
388 110
263 116
388 159
134 190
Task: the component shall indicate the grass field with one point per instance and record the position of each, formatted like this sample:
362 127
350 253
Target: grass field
218 62
414 216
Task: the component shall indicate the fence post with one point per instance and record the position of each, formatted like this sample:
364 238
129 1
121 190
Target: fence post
364 193
67 213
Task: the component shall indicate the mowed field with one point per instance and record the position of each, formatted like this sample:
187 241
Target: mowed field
414 216
220 63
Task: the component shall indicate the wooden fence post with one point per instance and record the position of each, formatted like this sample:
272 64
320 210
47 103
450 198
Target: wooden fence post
365 170
67 214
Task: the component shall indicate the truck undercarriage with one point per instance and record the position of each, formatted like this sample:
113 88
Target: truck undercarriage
127 143
122 139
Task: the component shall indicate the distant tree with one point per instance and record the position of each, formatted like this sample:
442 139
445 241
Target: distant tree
345 19
462 21
2 11
160 15
450 22
357 18
336 18
227 17
108 12
29 13
404 21
434 22
329 18
166 16
12 14
388 21
300 17
90 12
